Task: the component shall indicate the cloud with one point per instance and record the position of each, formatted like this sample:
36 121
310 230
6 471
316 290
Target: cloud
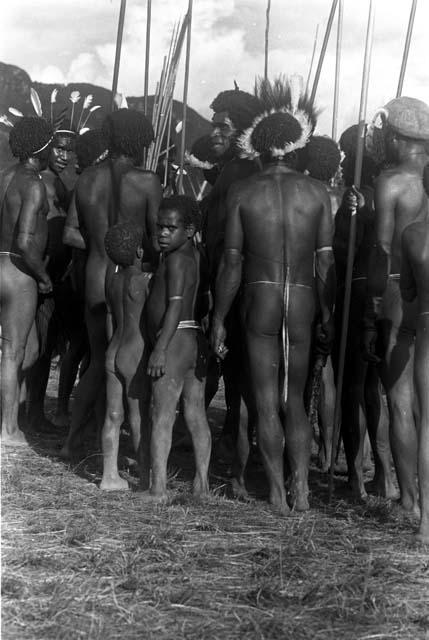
78 44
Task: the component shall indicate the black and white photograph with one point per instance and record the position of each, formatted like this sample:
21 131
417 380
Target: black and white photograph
214 319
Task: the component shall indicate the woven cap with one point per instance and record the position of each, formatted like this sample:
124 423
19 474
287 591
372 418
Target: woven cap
409 117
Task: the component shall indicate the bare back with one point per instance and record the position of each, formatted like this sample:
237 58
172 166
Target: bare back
17 184
100 203
285 218
415 273
400 200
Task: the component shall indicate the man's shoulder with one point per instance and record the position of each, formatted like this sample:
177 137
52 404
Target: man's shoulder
236 169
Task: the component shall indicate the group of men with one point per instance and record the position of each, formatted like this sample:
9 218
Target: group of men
272 259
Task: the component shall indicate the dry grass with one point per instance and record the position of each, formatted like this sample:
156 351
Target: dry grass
78 563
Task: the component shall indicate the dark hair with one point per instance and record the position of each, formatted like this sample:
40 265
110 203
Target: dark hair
89 146
275 131
128 132
242 107
322 157
186 206
121 243
28 136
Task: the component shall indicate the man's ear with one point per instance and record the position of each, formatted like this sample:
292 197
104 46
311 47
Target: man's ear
190 230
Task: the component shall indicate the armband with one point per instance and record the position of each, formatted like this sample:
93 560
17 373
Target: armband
323 249
234 252
176 298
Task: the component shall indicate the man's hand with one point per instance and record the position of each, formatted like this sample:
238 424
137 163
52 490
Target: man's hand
157 362
45 285
217 339
325 333
369 345
354 199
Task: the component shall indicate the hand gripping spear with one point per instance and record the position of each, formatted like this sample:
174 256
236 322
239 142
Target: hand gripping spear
352 240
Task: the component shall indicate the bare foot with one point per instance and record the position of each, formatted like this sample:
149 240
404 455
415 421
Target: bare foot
239 491
14 439
280 509
114 483
358 491
383 489
422 536
300 502
147 496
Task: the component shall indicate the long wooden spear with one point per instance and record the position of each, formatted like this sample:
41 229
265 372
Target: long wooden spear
185 95
312 59
118 52
267 35
337 70
352 240
147 55
323 51
406 49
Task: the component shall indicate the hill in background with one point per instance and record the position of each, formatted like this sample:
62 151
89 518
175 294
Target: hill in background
15 85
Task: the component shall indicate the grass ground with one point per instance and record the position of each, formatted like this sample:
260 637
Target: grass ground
78 563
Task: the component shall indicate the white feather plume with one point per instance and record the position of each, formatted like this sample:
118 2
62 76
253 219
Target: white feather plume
74 97
16 112
54 96
5 120
35 101
296 84
88 101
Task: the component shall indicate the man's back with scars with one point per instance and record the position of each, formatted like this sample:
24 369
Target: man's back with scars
285 216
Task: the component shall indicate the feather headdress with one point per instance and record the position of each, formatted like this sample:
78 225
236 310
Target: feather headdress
288 113
57 118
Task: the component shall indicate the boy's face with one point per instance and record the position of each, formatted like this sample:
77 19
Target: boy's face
172 232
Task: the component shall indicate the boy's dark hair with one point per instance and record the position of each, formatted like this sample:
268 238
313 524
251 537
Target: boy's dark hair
186 206
128 133
322 157
29 136
89 147
121 243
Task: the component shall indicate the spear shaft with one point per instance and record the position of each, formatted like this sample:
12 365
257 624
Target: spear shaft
185 95
118 52
351 244
337 69
406 49
323 51
147 55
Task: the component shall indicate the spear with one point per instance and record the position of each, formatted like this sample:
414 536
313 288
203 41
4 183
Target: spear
185 95
267 33
323 51
406 48
118 52
337 69
312 60
352 239
147 55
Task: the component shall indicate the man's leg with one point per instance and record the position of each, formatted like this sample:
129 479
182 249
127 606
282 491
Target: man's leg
298 432
262 320
18 300
378 430
92 384
421 376
396 374
195 414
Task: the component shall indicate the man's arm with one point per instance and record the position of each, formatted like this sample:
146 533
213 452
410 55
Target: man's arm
229 273
407 282
176 278
72 235
379 262
154 198
34 201
325 263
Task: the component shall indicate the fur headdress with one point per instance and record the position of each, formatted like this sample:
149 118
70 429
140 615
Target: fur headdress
286 123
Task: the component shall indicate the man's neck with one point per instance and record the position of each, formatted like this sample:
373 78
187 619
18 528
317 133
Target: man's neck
32 163
414 158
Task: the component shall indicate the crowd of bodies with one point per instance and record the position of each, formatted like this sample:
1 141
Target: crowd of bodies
152 295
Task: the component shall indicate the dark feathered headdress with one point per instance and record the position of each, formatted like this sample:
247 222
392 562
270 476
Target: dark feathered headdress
287 113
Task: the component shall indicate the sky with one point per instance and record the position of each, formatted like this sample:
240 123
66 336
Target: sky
65 41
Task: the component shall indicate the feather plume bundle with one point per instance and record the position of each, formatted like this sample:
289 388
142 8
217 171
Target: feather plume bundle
16 112
74 97
54 96
35 101
88 101
5 120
